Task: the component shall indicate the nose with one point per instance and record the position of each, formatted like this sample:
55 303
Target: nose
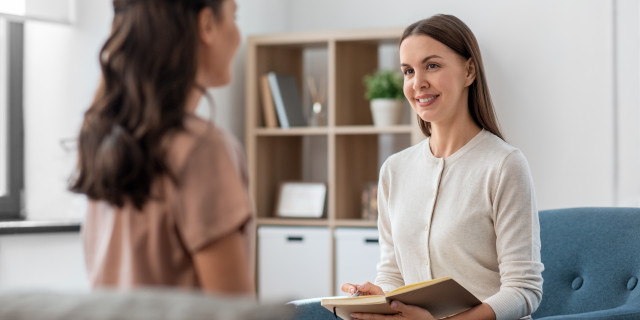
420 81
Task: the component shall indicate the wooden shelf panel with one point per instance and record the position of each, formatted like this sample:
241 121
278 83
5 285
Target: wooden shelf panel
294 131
356 223
289 39
356 167
342 130
372 129
321 38
291 222
316 222
353 60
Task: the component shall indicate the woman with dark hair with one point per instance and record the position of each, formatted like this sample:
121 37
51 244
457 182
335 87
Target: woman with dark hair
461 203
168 190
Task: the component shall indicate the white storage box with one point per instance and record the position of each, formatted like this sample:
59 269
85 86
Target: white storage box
293 263
357 255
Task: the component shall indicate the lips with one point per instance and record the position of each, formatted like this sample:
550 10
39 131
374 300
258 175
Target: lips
426 100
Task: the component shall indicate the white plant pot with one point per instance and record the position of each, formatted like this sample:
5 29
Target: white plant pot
386 112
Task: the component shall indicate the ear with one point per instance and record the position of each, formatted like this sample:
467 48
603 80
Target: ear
470 67
206 26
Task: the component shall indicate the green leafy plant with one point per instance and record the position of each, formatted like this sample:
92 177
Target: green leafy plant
383 84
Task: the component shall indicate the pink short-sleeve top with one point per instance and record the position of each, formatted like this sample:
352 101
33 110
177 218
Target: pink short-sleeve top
205 200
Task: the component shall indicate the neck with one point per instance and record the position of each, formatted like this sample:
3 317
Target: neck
193 99
447 139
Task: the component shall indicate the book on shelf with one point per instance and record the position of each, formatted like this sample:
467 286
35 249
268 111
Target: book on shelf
286 98
268 108
442 297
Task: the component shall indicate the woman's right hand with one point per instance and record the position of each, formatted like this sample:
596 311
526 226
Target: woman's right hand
365 289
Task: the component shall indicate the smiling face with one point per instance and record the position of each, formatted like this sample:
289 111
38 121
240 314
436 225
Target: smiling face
436 79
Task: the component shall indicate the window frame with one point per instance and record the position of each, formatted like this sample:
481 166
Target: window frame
11 203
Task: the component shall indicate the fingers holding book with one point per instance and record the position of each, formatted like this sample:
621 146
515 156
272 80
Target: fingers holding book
365 289
350 288
404 312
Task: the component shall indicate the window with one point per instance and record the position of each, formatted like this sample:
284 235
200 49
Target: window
58 11
15 8
3 111
11 119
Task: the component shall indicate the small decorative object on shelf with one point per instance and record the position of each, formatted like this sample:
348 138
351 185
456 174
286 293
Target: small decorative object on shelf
384 90
370 201
301 200
318 98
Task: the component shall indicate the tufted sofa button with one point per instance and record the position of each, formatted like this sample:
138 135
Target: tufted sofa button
577 283
632 283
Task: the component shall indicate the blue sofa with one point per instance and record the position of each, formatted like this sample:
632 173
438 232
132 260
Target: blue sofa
592 266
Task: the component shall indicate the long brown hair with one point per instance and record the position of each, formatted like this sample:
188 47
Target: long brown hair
148 69
455 34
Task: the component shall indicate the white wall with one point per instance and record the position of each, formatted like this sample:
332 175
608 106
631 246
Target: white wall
627 111
42 261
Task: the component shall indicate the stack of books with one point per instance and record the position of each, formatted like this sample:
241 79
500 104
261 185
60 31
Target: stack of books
281 102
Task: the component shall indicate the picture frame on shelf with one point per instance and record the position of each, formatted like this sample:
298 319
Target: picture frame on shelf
301 200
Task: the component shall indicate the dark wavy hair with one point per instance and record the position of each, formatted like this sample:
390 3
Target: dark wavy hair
148 69
453 33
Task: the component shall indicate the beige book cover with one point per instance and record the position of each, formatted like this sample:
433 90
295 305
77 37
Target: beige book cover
443 297
268 108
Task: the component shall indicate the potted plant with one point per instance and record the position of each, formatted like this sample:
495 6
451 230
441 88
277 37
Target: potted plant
384 91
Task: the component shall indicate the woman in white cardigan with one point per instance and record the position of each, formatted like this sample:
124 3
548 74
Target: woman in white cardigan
461 203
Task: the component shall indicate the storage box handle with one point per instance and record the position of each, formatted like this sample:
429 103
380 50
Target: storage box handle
371 240
295 238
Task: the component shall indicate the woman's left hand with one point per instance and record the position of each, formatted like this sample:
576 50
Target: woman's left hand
406 312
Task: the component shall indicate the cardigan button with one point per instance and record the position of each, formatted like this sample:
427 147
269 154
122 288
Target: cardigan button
632 283
577 283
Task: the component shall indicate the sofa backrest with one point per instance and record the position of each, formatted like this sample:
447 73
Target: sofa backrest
139 304
591 258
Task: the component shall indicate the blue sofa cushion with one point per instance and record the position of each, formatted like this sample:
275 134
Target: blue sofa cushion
592 263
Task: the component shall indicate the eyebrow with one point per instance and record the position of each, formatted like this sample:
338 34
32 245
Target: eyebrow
423 60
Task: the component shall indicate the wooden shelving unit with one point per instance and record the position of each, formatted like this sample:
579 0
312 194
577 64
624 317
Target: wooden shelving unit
345 152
